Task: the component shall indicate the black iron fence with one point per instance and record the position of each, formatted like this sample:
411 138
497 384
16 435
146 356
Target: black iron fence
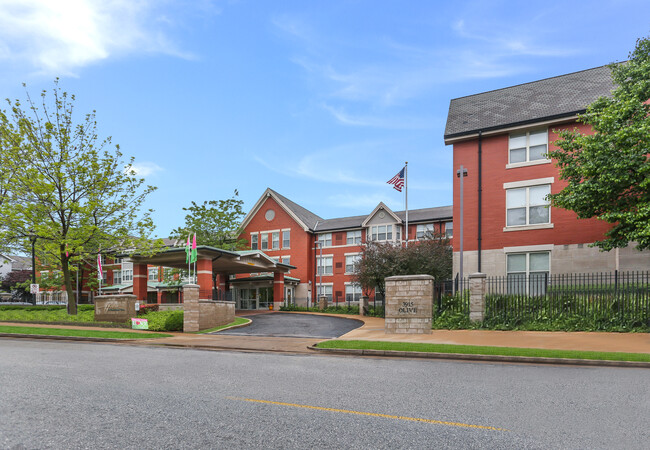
613 298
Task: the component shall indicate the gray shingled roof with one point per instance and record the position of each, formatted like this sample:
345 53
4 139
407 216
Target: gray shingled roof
306 216
556 97
415 216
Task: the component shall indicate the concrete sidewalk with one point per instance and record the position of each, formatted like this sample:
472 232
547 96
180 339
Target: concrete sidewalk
373 330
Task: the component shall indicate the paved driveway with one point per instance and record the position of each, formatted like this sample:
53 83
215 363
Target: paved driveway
295 325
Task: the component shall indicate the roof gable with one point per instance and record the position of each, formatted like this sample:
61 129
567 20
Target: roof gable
305 218
377 211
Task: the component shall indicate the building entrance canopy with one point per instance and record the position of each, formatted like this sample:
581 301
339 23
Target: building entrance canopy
211 262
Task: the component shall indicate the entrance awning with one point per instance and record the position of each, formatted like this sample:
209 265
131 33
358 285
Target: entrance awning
223 261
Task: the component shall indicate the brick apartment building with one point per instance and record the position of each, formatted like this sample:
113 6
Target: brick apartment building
322 250
501 137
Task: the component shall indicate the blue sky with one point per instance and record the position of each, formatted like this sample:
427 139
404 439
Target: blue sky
322 101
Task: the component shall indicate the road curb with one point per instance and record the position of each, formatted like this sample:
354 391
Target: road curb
65 338
485 358
241 325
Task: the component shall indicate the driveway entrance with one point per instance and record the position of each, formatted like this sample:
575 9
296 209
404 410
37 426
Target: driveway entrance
295 325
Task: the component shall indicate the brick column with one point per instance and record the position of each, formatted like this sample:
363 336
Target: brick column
476 297
278 290
160 295
221 284
140 277
204 277
191 307
408 306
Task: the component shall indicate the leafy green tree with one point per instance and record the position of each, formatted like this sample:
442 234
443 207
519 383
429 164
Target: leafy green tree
608 172
432 255
215 222
69 189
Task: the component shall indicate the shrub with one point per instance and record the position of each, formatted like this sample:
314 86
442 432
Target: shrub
164 320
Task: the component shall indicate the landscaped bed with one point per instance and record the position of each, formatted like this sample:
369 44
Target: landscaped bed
237 321
484 350
42 331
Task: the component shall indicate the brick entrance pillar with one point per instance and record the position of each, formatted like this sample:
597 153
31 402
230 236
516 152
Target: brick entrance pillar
278 290
204 278
140 277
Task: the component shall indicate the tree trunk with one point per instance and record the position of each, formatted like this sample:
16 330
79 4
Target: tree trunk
67 281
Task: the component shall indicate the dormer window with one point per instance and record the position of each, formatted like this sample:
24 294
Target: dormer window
381 232
528 146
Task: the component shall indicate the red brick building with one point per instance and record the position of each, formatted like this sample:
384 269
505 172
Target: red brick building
322 250
501 138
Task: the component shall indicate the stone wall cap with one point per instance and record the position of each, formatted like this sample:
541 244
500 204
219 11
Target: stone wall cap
477 275
185 286
408 277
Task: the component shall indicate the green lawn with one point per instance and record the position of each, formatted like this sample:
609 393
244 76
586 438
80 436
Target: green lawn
81 333
238 321
482 350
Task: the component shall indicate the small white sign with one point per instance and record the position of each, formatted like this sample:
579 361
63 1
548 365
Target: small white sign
137 306
34 289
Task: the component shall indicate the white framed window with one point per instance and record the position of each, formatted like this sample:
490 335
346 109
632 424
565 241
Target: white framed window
127 275
424 230
325 239
286 260
254 241
398 233
449 229
527 273
275 240
354 237
117 277
381 232
324 289
153 274
528 146
286 238
264 238
324 265
352 293
528 205
350 261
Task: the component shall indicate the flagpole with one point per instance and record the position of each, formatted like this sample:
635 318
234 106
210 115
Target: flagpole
406 200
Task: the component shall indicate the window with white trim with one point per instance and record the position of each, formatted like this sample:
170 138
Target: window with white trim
286 260
449 229
127 275
528 146
354 237
424 230
325 290
286 239
350 262
325 240
324 265
352 293
264 237
527 273
381 232
528 205
275 240
153 274
254 241
117 277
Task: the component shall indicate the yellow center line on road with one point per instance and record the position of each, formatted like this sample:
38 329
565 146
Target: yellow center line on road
360 413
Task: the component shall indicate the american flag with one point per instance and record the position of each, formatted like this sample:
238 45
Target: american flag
397 181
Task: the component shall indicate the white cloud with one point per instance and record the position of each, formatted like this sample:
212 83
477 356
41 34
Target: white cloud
146 168
380 122
60 37
356 201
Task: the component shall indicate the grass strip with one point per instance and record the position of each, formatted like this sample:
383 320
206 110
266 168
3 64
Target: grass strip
80 333
484 350
237 321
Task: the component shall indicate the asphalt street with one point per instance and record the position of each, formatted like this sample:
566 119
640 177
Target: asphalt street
77 395
296 325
